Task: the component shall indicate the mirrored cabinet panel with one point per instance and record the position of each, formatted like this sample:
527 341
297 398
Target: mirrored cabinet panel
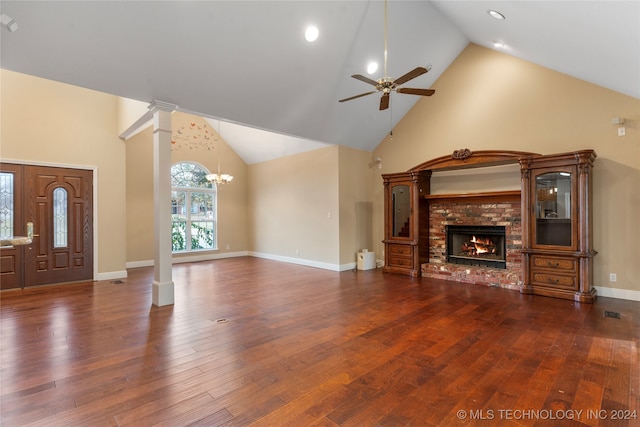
553 209
401 210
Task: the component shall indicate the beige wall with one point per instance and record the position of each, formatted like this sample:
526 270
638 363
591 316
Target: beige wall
491 101
140 213
43 121
129 111
294 208
232 198
356 208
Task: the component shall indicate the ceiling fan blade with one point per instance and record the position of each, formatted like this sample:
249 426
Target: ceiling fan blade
365 79
384 101
412 91
418 71
356 96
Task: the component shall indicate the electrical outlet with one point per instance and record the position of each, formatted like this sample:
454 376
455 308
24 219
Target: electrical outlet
613 277
622 131
297 251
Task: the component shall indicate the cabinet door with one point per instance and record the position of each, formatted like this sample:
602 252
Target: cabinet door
400 211
554 192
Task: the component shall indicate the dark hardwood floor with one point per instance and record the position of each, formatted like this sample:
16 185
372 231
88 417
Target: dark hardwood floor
257 342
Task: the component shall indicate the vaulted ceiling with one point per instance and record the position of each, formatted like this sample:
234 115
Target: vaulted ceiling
247 62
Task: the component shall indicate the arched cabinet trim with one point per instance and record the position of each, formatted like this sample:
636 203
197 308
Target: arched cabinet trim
465 158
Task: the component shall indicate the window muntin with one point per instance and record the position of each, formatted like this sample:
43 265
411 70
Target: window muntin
193 209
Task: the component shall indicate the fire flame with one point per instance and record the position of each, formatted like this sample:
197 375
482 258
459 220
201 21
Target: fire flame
483 246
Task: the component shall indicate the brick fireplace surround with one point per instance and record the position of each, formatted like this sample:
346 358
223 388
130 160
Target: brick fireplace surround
488 209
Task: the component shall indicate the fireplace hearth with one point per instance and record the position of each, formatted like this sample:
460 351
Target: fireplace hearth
477 245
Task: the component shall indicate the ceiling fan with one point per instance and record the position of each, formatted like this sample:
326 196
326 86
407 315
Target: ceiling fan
386 84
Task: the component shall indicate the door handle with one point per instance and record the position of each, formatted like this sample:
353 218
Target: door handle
30 231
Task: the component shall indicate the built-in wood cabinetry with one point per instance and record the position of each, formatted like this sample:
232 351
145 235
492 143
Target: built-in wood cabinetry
557 250
559 254
402 224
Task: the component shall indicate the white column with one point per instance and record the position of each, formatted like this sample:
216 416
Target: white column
162 284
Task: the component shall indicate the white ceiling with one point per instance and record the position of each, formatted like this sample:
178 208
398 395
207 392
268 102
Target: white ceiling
247 63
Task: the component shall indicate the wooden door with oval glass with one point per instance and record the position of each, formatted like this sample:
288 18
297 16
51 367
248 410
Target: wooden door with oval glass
59 204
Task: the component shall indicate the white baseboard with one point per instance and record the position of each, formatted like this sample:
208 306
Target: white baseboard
347 267
137 264
307 262
207 257
189 258
112 275
627 294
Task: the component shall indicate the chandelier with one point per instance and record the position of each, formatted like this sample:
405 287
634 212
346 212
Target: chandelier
219 178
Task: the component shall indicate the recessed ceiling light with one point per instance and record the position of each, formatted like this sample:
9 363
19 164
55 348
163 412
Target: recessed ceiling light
495 14
372 67
499 44
311 34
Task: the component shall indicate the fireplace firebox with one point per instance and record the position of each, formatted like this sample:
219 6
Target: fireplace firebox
478 245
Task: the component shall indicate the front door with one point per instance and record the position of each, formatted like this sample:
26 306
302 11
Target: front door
11 224
59 203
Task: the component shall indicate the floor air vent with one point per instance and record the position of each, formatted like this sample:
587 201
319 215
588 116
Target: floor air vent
612 314
117 282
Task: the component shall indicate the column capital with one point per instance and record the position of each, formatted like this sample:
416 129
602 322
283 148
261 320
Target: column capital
154 107
162 106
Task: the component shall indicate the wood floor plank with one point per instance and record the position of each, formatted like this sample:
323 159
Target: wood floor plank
257 342
295 408
185 412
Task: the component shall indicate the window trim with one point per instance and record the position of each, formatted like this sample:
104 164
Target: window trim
210 189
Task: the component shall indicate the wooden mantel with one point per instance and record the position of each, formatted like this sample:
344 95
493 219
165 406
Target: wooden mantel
493 196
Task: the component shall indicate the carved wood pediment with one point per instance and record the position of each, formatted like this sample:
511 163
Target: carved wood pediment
465 158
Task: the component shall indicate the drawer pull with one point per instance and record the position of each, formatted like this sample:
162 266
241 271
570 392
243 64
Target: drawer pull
553 281
553 264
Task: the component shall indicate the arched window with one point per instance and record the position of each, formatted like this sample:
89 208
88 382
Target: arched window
193 208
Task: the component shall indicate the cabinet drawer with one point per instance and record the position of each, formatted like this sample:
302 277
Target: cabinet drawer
548 279
396 261
563 264
405 250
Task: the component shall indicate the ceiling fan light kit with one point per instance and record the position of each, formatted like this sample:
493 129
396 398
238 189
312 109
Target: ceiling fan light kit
495 14
8 23
386 85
